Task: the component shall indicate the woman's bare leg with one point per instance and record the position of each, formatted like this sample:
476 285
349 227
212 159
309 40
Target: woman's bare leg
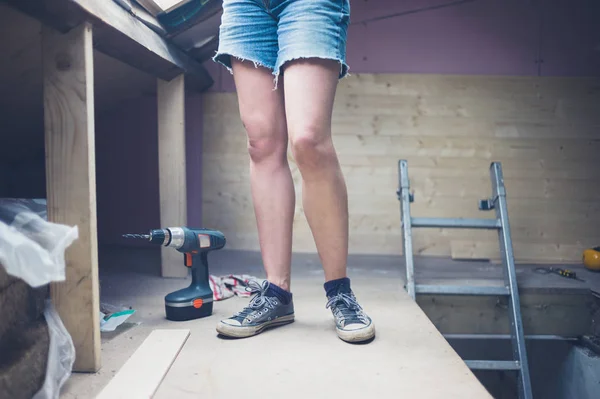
272 188
310 87
263 114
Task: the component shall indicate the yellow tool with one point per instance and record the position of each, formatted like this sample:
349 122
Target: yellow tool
591 258
561 272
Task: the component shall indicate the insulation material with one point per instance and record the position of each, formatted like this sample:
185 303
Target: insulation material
23 362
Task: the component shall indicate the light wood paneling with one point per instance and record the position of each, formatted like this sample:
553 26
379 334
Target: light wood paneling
71 182
545 131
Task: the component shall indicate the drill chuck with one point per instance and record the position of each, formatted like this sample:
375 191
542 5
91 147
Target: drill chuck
170 237
187 240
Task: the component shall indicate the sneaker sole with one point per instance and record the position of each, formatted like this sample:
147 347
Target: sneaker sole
248 331
360 335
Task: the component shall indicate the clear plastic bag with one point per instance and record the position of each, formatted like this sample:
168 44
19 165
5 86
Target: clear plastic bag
32 248
61 356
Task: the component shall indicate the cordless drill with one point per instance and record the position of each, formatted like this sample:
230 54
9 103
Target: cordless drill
195 301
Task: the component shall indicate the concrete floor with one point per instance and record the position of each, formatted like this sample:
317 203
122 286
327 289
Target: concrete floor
409 357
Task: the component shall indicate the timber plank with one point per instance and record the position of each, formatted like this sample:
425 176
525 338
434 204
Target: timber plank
143 372
172 167
71 182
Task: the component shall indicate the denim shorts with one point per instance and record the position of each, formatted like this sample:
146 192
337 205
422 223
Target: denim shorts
273 32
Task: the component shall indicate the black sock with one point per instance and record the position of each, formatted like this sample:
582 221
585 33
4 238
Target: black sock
341 285
284 296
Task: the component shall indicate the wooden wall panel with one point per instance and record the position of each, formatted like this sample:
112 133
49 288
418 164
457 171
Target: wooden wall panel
545 131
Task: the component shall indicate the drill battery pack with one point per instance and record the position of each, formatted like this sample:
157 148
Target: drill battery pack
182 309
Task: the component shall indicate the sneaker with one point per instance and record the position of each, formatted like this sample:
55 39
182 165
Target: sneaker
352 323
264 310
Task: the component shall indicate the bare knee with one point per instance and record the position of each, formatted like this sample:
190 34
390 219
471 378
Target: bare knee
312 149
266 140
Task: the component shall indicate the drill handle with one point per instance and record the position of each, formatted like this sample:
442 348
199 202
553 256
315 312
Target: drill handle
199 266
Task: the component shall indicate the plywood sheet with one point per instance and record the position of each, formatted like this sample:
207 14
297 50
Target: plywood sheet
409 358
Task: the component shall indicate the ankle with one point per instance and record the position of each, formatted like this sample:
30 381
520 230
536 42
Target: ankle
340 285
284 295
283 283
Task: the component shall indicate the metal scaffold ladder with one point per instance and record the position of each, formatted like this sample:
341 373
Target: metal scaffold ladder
500 223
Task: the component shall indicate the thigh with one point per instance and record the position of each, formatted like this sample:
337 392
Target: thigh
311 59
247 32
310 86
312 29
261 108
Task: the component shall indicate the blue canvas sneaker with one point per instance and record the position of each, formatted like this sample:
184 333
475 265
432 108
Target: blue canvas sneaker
351 322
266 309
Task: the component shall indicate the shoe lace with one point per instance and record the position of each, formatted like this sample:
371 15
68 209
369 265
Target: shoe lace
346 308
260 302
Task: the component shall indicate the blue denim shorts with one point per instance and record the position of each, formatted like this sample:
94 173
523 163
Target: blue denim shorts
273 32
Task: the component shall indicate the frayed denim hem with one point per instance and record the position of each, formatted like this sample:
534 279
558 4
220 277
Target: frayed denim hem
224 58
344 67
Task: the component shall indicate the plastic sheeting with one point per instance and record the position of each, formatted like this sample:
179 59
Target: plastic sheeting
33 249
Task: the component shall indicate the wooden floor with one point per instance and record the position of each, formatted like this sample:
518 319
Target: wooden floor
408 358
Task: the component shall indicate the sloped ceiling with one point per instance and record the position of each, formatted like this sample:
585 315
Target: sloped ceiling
201 39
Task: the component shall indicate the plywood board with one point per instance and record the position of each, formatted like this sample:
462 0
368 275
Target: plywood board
544 131
409 358
142 374
71 182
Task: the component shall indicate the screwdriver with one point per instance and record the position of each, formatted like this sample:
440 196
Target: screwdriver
561 272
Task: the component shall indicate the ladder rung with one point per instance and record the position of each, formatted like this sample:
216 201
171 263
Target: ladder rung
493 364
456 223
460 290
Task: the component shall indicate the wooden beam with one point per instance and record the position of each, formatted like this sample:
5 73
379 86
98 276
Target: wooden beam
119 34
172 167
143 372
112 15
71 182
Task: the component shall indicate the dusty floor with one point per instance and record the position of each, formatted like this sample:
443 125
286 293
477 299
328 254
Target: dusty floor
409 358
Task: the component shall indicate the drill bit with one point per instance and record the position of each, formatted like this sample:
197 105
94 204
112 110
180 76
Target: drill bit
142 236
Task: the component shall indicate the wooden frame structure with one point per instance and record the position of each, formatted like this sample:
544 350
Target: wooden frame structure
72 29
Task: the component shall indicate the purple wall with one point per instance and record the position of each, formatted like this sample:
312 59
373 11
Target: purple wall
127 168
193 156
485 37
